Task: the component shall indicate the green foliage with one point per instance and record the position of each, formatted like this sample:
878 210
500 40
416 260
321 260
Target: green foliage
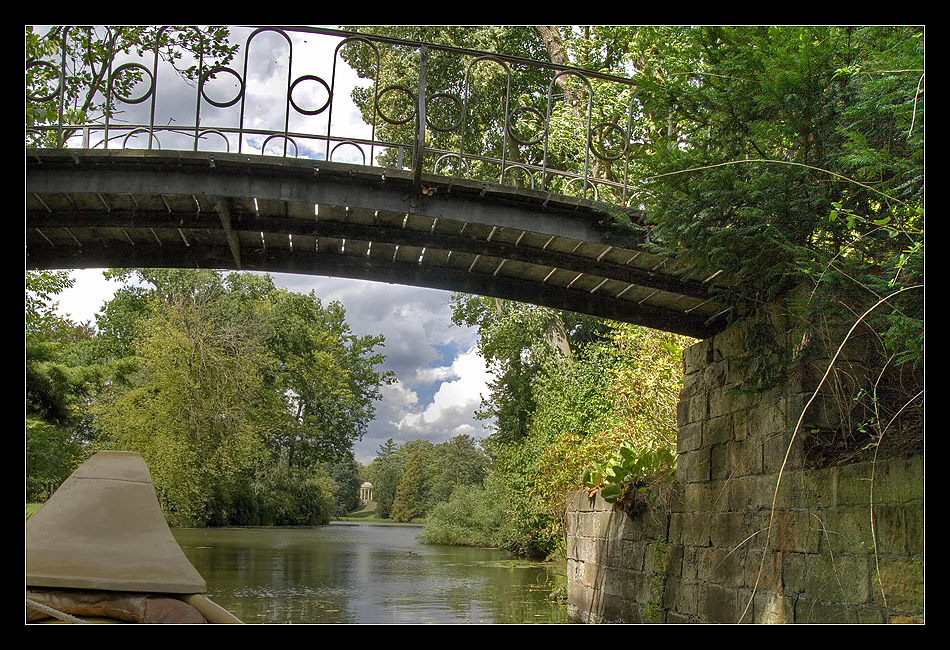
470 517
624 479
57 388
453 463
346 477
616 385
797 164
384 473
528 526
292 496
237 395
412 479
195 411
408 500
41 289
517 340
51 456
486 82
326 375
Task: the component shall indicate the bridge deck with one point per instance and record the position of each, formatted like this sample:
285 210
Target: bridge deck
122 208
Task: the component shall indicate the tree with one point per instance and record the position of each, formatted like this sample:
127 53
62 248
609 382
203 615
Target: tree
51 450
797 154
489 115
384 473
346 476
244 394
410 490
327 377
295 496
56 387
471 516
412 479
458 462
483 85
197 408
515 339
41 288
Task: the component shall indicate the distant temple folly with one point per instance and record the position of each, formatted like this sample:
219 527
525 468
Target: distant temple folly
366 492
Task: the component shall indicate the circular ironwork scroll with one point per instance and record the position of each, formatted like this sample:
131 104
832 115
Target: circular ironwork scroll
213 71
316 111
56 75
151 82
462 163
279 135
347 142
125 140
511 121
379 108
454 100
604 128
518 167
227 143
586 183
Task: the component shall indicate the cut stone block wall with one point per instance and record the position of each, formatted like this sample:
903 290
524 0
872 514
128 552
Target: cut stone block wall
752 534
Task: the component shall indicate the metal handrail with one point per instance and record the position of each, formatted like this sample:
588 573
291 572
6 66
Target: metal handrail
128 117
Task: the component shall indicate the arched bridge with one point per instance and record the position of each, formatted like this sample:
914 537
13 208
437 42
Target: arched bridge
94 205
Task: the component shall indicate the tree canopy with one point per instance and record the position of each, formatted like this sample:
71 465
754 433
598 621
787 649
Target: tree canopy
410 480
234 392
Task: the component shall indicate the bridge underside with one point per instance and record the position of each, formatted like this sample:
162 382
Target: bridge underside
126 209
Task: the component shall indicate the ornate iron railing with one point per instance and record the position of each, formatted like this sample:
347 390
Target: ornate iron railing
500 119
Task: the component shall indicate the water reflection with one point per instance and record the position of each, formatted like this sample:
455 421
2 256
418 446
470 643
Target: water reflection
365 573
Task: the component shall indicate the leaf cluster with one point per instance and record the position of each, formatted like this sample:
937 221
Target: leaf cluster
618 385
624 479
801 148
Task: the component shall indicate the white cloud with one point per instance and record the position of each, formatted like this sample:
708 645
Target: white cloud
399 397
90 292
453 405
430 375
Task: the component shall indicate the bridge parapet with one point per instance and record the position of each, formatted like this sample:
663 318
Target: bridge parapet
289 92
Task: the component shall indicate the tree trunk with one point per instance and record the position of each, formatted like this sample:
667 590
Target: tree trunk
558 53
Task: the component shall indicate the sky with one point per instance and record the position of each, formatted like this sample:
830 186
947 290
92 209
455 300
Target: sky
440 376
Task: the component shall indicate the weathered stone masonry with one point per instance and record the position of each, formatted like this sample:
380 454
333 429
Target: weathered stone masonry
720 553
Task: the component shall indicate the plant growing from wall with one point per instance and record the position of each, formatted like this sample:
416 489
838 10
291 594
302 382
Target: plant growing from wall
627 480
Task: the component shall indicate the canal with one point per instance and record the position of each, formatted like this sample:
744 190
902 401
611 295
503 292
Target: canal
370 573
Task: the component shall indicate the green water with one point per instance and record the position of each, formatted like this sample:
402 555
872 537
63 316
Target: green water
365 573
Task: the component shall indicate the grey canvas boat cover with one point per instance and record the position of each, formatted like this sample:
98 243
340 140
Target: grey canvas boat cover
104 529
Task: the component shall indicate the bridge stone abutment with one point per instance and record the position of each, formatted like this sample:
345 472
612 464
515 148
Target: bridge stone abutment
761 529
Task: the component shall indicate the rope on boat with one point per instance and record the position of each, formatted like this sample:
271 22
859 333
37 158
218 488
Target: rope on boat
55 613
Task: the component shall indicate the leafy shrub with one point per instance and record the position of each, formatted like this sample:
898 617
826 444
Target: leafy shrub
471 517
625 480
295 497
